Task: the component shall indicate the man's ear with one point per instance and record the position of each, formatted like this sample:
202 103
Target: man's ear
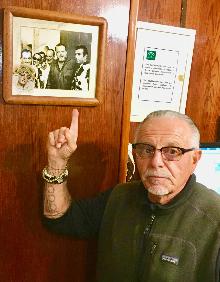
197 156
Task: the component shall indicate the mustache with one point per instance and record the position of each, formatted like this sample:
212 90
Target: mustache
156 173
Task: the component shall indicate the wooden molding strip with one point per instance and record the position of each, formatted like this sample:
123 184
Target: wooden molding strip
128 89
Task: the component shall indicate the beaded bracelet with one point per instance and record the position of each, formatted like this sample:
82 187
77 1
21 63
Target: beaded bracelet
54 179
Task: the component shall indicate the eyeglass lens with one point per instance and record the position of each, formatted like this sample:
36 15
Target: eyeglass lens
168 153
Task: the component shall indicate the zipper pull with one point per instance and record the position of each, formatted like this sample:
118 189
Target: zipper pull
152 218
153 248
149 226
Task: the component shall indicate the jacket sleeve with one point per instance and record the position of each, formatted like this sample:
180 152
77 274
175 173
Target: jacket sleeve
82 219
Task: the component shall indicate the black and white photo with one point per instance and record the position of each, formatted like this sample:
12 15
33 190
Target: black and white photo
65 58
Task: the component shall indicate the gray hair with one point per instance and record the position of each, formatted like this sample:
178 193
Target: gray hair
173 114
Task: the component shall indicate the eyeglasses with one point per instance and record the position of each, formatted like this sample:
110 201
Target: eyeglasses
169 153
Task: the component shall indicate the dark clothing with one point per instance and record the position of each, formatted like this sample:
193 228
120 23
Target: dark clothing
81 77
141 241
83 218
61 78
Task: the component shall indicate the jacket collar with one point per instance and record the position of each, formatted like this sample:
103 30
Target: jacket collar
178 200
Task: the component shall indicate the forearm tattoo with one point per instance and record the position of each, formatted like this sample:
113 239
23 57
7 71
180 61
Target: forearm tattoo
56 200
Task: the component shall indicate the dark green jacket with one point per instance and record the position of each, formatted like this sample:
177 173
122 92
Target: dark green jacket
177 242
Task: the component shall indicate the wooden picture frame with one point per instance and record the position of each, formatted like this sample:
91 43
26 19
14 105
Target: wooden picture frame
29 34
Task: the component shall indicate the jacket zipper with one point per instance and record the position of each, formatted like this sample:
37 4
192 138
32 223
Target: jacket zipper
147 231
146 234
149 226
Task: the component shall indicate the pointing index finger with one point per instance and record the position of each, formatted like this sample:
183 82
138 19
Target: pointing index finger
74 124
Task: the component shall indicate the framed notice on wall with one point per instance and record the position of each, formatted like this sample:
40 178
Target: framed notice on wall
163 57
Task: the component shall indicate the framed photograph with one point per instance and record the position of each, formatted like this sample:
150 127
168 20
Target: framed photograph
52 58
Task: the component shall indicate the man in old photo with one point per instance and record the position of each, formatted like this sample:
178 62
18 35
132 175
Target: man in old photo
61 70
81 70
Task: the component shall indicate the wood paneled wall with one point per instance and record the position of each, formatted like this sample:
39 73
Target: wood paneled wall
28 251
203 103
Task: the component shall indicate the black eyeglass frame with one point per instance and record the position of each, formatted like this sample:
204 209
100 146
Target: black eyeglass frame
183 150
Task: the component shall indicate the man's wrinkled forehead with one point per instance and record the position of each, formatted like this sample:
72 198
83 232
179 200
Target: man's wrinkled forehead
164 127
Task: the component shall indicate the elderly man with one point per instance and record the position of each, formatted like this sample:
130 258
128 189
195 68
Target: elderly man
165 227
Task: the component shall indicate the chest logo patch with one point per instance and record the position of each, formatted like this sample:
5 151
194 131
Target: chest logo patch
170 259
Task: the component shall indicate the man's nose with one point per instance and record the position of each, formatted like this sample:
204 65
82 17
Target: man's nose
157 159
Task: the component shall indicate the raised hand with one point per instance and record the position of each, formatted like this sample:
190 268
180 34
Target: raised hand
62 143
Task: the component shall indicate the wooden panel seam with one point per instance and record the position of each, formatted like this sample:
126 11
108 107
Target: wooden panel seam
128 90
183 13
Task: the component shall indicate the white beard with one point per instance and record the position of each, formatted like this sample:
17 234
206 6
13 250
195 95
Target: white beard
156 188
159 191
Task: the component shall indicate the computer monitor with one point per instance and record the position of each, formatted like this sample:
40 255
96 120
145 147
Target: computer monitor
208 168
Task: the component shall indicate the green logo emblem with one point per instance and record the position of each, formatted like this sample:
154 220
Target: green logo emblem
151 55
